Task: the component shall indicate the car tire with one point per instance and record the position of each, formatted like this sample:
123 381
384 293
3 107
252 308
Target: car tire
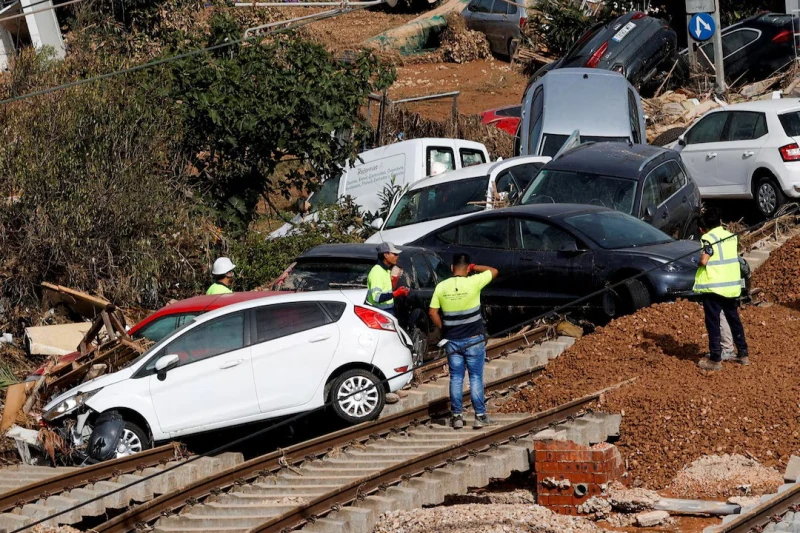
362 407
638 295
667 137
513 44
768 196
419 343
134 439
692 231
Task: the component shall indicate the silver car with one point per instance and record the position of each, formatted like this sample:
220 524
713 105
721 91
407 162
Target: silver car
501 21
600 104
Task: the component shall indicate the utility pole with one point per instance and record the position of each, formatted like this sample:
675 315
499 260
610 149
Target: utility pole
704 24
719 60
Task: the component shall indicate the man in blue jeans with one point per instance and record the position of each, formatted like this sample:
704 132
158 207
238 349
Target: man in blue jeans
458 299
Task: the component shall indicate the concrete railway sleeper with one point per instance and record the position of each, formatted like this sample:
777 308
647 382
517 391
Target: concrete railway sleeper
777 513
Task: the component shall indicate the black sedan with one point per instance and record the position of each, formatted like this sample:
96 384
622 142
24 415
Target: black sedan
551 254
754 48
648 182
635 45
346 266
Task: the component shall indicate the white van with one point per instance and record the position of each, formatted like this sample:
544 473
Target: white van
407 162
436 201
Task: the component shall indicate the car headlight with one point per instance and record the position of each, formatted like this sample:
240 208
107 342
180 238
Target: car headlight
68 405
674 267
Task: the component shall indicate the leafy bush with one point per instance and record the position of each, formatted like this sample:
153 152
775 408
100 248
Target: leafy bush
100 195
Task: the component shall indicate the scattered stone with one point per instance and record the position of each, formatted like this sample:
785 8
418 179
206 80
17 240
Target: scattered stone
792 470
483 519
553 483
714 476
621 520
516 497
651 518
461 45
599 507
744 501
628 500
402 393
392 398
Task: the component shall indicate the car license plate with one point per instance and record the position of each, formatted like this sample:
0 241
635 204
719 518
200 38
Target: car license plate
623 32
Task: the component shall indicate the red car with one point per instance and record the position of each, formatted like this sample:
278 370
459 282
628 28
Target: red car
506 118
169 318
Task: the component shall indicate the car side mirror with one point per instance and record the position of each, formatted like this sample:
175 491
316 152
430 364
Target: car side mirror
569 247
650 214
164 363
377 223
682 140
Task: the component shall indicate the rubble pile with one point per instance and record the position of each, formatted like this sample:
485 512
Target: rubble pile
674 109
674 412
779 276
461 45
727 475
492 518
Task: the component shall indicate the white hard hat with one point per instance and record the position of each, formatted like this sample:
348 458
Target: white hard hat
223 265
438 168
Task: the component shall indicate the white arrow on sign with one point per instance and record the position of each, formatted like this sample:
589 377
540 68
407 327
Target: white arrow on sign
698 30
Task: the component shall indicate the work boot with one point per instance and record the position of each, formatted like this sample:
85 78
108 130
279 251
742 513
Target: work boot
743 360
483 420
457 421
708 364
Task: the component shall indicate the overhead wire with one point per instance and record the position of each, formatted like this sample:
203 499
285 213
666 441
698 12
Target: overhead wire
304 414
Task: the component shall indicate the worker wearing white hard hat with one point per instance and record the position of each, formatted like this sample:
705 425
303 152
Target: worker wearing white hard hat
438 168
223 276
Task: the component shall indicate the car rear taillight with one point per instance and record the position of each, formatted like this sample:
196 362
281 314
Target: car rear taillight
783 37
522 22
790 152
401 369
595 59
373 319
638 15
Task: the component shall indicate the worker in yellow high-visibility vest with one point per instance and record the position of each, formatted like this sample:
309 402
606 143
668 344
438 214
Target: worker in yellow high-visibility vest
380 290
455 309
223 276
719 280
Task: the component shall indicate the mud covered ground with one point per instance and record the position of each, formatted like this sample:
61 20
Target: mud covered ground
674 412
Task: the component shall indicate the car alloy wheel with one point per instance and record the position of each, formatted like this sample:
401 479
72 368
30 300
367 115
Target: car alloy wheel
358 396
129 444
419 345
767 199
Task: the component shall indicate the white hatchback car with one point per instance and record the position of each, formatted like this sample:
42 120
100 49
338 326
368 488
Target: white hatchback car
247 362
438 200
747 150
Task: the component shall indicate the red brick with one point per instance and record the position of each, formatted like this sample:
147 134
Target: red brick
602 477
560 500
557 445
581 477
564 509
543 499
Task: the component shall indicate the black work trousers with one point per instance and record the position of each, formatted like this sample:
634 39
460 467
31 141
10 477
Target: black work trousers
713 305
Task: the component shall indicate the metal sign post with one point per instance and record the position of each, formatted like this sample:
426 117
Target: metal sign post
704 25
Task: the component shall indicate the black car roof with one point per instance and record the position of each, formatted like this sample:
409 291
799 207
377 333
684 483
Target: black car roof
611 158
552 211
365 251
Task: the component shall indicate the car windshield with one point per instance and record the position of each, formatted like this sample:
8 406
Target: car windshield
614 230
581 43
327 195
791 123
552 143
325 274
569 187
157 346
442 200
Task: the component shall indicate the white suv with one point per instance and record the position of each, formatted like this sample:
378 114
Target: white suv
243 363
747 150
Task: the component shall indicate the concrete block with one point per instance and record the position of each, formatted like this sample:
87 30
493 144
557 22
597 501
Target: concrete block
328 525
785 487
610 422
651 518
84 495
505 367
360 520
230 459
569 341
473 472
60 503
574 434
406 497
378 504
492 464
116 500
451 481
163 483
516 457
431 490
591 429
550 434
12 521
37 511
792 469
137 490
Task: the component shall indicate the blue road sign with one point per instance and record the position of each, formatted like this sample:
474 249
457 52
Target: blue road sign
702 27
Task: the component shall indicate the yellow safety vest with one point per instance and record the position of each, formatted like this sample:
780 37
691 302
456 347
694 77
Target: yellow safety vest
218 288
722 274
379 281
459 298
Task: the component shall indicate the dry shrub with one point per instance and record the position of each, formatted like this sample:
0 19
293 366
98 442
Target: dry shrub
461 45
101 203
412 126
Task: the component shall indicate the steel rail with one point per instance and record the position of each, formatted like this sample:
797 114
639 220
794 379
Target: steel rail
770 511
87 475
417 466
149 511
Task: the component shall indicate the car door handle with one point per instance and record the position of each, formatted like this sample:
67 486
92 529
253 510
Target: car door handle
749 154
231 364
712 155
685 199
320 338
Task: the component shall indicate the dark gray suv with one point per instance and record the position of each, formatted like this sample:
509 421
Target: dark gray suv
647 182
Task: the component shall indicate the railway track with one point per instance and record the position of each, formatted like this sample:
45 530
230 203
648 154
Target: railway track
778 514
69 487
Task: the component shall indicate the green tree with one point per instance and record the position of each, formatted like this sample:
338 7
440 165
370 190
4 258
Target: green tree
253 106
